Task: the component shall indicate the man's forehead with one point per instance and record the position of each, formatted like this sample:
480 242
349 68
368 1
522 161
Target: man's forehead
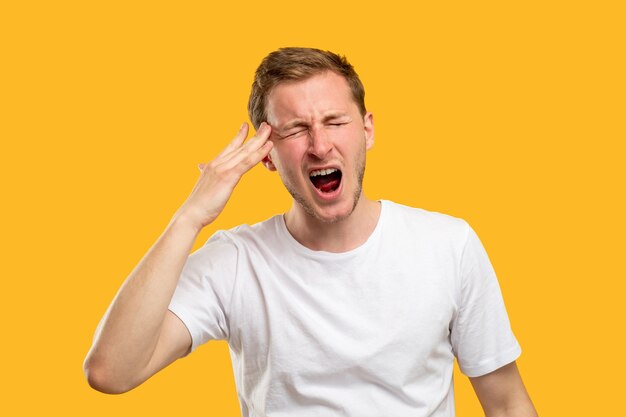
323 95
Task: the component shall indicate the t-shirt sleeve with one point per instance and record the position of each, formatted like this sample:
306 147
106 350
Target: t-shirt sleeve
203 293
481 335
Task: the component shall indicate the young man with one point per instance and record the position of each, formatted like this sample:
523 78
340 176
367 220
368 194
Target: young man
343 306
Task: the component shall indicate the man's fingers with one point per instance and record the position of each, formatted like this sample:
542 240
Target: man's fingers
259 139
254 143
243 157
236 142
248 159
263 133
258 155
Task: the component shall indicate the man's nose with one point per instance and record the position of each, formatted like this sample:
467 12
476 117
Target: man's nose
320 144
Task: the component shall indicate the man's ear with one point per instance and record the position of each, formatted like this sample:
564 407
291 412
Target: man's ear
267 162
368 126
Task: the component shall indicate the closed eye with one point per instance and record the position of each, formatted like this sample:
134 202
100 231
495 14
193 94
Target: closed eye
292 135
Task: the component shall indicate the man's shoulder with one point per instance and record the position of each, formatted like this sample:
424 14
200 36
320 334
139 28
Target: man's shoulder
246 234
420 217
430 231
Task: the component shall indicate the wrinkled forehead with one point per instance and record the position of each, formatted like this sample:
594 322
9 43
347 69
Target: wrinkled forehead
309 98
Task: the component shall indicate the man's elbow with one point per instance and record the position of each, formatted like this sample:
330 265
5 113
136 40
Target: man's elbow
102 379
522 409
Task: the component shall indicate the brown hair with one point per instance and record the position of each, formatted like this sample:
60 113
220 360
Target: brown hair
298 64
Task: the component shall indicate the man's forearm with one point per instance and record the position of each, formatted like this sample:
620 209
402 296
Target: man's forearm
127 334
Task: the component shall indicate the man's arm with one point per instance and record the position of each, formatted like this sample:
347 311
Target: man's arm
138 335
502 393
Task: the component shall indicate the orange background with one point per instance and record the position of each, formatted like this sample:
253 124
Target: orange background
507 114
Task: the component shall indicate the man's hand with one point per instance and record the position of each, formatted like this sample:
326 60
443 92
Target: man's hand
220 176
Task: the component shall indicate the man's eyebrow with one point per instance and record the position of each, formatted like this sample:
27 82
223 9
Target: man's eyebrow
303 123
292 124
334 115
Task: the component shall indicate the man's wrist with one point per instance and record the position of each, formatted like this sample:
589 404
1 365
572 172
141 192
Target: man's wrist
185 224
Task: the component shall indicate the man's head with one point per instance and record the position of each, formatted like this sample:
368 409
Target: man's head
298 64
313 101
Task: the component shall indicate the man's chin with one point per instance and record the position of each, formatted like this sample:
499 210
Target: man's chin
328 213
333 218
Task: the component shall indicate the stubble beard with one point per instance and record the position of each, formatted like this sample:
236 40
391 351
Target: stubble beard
308 207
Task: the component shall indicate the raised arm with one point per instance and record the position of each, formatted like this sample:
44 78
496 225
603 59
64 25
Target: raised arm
138 335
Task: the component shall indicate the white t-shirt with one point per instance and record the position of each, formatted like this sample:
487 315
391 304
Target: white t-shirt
369 332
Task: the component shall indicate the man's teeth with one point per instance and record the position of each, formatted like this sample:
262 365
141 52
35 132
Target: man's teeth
323 172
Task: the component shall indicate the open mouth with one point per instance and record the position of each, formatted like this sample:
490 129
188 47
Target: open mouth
326 180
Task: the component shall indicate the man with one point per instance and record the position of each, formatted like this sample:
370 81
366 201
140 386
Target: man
343 306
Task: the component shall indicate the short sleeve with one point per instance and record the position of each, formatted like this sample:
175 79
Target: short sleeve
203 293
481 335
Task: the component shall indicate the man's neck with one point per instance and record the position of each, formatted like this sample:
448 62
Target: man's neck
339 236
